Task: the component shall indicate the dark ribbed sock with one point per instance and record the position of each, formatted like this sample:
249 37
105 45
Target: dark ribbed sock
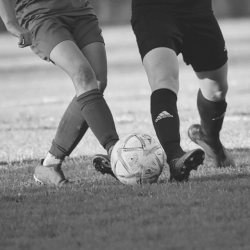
97 114
71 129
211 114
166 122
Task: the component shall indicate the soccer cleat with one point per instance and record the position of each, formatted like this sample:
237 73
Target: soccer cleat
213 149
49 175
180 168
102 164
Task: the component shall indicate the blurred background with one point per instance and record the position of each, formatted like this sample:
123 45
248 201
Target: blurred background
113 12
34 94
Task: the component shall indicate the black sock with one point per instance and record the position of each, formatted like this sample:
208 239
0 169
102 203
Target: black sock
71 129
98 116
166 122
211 114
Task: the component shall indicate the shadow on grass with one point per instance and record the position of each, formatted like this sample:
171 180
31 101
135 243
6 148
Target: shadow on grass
240 171
215 177
29 161
221 177
20 162
239 151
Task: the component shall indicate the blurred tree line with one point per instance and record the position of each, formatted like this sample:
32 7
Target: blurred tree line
119 12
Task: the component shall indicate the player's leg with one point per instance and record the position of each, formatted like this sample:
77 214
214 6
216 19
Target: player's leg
209 60
96 55
72 126
162 69
84 78
212 105
211 100
159 39
89 101
93 107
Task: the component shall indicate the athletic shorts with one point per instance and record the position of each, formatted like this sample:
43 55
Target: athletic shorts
82 30
197 36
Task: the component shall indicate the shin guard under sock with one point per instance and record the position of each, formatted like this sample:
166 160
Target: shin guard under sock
71 129
97 114
211 114
166 122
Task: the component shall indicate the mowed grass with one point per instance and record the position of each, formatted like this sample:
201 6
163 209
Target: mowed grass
211 211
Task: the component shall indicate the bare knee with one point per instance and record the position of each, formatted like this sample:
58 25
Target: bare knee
84 77
162 69
214 91
214 84
219 95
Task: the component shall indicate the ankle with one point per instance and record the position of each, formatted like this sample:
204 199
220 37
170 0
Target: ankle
212 137
52 160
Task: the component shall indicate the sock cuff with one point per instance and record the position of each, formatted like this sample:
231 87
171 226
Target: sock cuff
163 95
208 108
111 143
88 93
84 98
58 151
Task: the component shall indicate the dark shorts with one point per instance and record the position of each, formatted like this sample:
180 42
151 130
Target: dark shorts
198 37
82 30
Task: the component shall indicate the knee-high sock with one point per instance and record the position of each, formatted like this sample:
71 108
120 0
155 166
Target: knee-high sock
71 129
211 114
166 122
97 114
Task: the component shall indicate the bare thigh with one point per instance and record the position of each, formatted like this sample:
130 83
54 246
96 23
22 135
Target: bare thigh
95 53
162 69
70 58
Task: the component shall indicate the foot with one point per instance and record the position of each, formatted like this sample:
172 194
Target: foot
180 168
214 149
102 164
49 175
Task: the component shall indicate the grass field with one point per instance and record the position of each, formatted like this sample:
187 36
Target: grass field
212 211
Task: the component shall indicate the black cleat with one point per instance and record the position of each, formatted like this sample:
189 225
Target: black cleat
102 164
213 149
180 168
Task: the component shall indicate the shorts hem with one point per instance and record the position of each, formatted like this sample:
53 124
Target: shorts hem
211 67
90 42
157 42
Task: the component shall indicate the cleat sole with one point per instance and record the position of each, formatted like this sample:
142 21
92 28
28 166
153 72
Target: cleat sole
102 165
192 161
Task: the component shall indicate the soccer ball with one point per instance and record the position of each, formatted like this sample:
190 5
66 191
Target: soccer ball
137 159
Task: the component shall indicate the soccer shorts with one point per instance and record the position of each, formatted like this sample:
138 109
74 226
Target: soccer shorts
196 36
82 30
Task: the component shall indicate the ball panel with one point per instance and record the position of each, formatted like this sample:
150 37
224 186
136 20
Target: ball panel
120 170
132 160
160 156
152 168
132 141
